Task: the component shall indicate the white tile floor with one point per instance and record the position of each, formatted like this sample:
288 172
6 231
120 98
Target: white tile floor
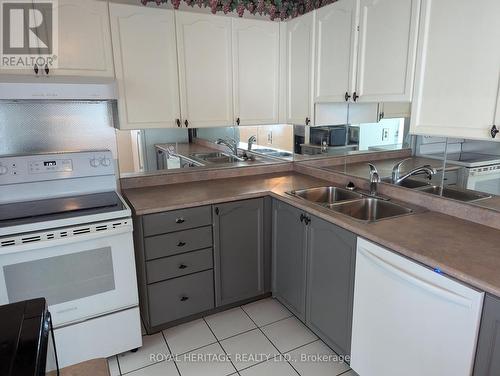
258 339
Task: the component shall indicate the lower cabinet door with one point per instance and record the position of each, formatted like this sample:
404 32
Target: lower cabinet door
289 257
488 350
330 283
238 250
180 297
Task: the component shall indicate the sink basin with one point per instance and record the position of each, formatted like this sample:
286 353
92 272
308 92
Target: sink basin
264 151
216 157
408 183
326 195
280 154
455 194
371 209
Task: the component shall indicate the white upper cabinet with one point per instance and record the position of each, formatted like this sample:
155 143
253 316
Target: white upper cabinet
205 69
335 59
386 49
145 58
84 39
299 47
458 69
256 63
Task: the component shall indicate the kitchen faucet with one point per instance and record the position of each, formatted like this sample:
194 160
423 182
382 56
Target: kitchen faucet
251 141
230 143
374 179
396 173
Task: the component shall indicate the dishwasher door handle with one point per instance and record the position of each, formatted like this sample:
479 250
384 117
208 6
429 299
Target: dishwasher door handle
417 280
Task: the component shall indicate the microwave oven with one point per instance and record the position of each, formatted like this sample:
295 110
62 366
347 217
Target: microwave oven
329 136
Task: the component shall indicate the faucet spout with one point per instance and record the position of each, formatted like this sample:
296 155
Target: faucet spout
397 178
252 140
230 143
374 179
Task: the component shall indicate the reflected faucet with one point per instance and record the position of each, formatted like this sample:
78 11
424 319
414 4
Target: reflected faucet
230 143
425 169
252 140
374 179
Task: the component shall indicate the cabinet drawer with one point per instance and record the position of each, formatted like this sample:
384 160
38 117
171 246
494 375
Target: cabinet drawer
176 220
180 297
176 266
178 242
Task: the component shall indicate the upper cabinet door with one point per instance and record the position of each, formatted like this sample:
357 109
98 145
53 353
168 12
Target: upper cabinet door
256 71
387 47
336 40
458 69
84 39
299 44
205 69
145 57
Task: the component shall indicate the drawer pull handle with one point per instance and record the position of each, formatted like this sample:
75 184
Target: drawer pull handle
182 266
184 298
179 220
181 244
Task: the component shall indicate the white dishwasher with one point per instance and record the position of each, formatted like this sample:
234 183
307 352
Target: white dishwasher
409 320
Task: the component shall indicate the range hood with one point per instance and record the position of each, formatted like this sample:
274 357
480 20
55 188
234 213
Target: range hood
13 87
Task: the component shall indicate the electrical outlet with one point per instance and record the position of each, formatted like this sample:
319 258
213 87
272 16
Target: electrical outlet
270 137
385 134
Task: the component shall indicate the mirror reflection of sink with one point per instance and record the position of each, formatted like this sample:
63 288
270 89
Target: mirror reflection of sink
455 194
272 152
326 195
216 157
371 209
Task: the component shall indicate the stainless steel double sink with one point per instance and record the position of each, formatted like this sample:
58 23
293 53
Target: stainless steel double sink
353 204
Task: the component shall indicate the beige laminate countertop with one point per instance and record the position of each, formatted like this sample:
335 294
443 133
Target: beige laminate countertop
464 250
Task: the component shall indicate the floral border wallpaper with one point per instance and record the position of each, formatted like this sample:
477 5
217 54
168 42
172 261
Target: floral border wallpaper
274 9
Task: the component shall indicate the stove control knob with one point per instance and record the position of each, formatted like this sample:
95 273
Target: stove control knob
105 162
3 170
94 162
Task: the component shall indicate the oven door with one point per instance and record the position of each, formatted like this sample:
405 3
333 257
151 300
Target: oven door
82 272
483 181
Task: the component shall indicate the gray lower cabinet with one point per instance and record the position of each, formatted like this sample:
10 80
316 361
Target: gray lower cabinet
239 250
330 283
181 297
488 350
289 257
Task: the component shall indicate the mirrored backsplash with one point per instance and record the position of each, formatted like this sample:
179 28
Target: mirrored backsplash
174 150
471 168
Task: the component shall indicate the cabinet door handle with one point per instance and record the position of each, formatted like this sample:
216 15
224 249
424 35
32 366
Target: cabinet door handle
238 121
308 121
216 211
307 220
179 220
35 68
186 123
494 130
184 298
47 70
182 266
302 217
355 96
178 122
347 96
181 244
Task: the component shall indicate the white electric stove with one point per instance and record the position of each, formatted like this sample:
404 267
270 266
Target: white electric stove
66 235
